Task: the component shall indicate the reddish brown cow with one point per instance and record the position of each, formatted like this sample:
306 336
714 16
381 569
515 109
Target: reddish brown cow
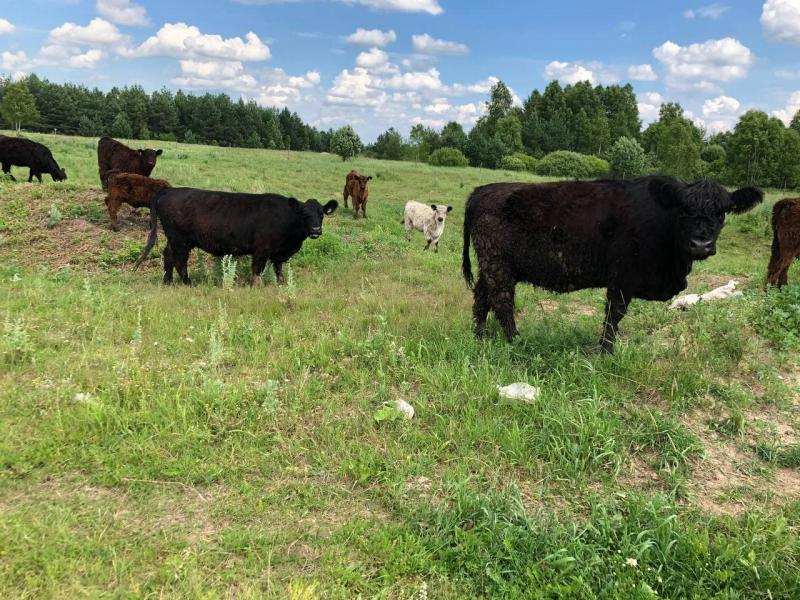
130 188
357 188
785 240
115 156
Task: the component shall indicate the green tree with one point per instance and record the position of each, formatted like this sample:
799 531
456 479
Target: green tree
762 151
675 142
18 106
389 145
453 136
346 143
627 158
424 141
508 135
121 127
795 124
500 102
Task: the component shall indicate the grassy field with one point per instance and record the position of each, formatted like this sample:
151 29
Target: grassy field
233 442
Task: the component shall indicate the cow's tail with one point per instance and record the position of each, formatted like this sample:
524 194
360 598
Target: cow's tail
152 237
466 265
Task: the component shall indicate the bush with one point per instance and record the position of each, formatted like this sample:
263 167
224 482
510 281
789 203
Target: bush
627 158
518 162
346 143
713 153
448 157
564 163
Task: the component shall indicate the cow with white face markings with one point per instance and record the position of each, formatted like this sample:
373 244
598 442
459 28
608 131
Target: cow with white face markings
427 218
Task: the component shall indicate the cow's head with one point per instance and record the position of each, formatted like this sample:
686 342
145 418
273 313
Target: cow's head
362 181
314 213
440 212
148 157
59 175
700 212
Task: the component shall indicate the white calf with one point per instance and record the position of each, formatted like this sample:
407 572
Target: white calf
427 218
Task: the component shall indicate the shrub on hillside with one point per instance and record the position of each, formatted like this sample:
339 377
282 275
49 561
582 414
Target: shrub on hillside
448 157
518 162
564 163
346 143
628 159
713 153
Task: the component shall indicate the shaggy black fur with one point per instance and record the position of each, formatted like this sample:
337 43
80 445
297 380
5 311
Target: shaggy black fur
268 227
20 152
636 238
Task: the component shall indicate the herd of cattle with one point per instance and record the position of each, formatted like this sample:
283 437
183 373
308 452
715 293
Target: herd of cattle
636 238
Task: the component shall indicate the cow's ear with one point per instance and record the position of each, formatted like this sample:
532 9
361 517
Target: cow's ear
744 199
159 152
141 152
449 208
369 178
434 207
330 207
668 192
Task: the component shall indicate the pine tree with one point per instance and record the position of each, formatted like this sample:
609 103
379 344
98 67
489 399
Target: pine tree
18 106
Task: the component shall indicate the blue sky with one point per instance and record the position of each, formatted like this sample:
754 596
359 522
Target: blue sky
381 63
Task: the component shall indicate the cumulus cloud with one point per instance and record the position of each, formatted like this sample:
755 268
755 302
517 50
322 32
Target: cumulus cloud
696 67
97 33
642 73
649 105
6 27
569 73
180 40
13 61
709 11
781 20
425 44
374 59
372 37
431 7
355 88
53 55
721 105
792 107
123 12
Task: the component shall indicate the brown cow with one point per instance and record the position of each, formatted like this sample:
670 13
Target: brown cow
130 188
357 188
115 156
785 240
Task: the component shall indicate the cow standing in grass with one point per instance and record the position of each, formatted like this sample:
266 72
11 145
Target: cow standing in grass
137 191
21 152
427 218
116 157
785 240
637 239
267 227
357 187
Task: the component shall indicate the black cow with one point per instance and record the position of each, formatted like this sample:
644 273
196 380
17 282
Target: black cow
268 227
636 238
21 152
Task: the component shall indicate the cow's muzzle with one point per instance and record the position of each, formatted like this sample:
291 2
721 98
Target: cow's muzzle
700 249
315 233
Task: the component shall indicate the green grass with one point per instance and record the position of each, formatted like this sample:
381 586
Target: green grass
214 442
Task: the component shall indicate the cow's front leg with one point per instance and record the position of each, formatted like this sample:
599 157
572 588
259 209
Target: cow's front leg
258 265
30 176
279 276
616 307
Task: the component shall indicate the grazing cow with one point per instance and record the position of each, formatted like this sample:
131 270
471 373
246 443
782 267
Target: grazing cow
128 188
116 156
357 188
427 218
268 227
21 152
785 240
637 239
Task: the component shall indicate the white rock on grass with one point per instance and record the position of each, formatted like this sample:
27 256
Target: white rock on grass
405 408
520 391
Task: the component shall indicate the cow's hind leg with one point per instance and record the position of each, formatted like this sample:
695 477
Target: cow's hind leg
113 206
480 307
181 255
258 264
169 264
345 196
279 276
501 297
616 307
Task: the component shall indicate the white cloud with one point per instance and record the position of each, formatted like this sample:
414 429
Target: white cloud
569 73
97 32
425 44
6 27
721 105
372 37
356 88
697 66
53 55
642 73
123 12
419 80
788 73
431 7
710 11
374 59
13 61
649 105
180 40
792 107
781 20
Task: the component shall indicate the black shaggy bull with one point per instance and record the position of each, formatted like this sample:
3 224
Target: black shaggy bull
21 152
116 156
267 227
636 238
